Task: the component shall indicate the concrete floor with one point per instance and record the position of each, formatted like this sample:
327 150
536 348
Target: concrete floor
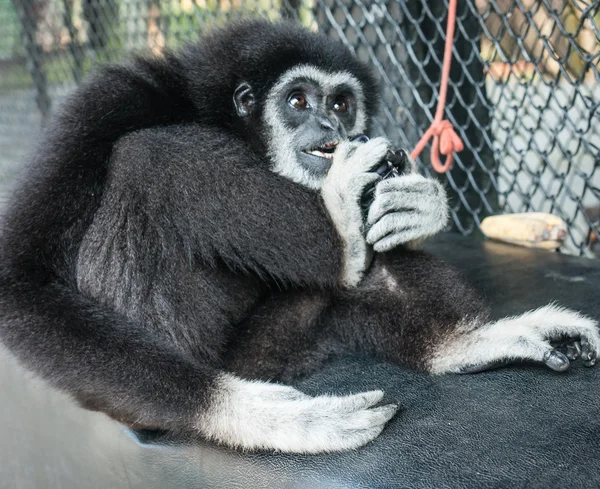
67 447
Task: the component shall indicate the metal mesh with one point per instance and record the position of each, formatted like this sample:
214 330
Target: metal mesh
524 91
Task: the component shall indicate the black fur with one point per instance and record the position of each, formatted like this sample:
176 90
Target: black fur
150 246
293 333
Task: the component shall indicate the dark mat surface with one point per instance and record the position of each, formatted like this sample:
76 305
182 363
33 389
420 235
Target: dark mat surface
518 427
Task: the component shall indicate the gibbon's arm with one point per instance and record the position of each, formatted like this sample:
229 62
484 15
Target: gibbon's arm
215 194
104 361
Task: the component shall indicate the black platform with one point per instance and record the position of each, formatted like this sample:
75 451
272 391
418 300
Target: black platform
519 427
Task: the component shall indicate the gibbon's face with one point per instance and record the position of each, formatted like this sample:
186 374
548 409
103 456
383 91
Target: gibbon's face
307 113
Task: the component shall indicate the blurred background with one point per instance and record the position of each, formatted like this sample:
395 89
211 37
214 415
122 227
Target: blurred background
524 93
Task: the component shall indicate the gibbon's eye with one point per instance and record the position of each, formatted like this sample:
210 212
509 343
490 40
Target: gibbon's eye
340 104
298 101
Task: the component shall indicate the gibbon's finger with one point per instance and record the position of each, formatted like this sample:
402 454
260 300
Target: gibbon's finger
573 350
413 184
394 240
340 184
390 202
350 403
354 432
363 180
353 158
371 152
589 354
556 360
378 416
430 212
398 223
570 347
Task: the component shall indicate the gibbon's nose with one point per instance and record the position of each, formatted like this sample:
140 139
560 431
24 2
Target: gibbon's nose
327 124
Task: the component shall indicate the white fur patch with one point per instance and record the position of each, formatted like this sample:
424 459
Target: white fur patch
391 283
281 138
342 190
524 337
258 415
406 208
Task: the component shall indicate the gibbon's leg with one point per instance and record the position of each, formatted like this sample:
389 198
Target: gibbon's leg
411 308
285 338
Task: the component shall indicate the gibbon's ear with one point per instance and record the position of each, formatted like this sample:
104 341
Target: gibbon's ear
243 99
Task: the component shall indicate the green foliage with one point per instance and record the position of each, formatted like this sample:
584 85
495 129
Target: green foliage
10 41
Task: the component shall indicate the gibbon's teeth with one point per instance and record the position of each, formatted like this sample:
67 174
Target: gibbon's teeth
320 154
326 151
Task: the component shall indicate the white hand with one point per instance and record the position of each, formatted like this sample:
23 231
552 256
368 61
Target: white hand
404 209
350 174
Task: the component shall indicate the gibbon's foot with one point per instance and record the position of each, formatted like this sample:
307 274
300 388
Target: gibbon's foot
551 334
254 415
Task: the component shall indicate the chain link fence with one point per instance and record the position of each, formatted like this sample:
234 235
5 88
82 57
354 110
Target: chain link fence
524 93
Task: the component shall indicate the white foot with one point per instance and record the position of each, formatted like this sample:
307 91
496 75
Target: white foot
258 415
525 337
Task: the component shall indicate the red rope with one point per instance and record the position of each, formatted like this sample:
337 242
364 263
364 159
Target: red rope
445 139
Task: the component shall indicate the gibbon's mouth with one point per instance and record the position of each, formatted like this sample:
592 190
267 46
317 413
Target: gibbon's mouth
326 151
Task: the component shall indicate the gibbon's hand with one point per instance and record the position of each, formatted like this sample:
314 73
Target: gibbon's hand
405 208
350 174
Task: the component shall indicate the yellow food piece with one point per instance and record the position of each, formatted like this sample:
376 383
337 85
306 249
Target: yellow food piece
530 229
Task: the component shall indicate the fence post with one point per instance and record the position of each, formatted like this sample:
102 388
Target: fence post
102 17
290 9
34 54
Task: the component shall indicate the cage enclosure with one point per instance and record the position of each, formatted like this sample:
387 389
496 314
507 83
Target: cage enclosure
524 92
